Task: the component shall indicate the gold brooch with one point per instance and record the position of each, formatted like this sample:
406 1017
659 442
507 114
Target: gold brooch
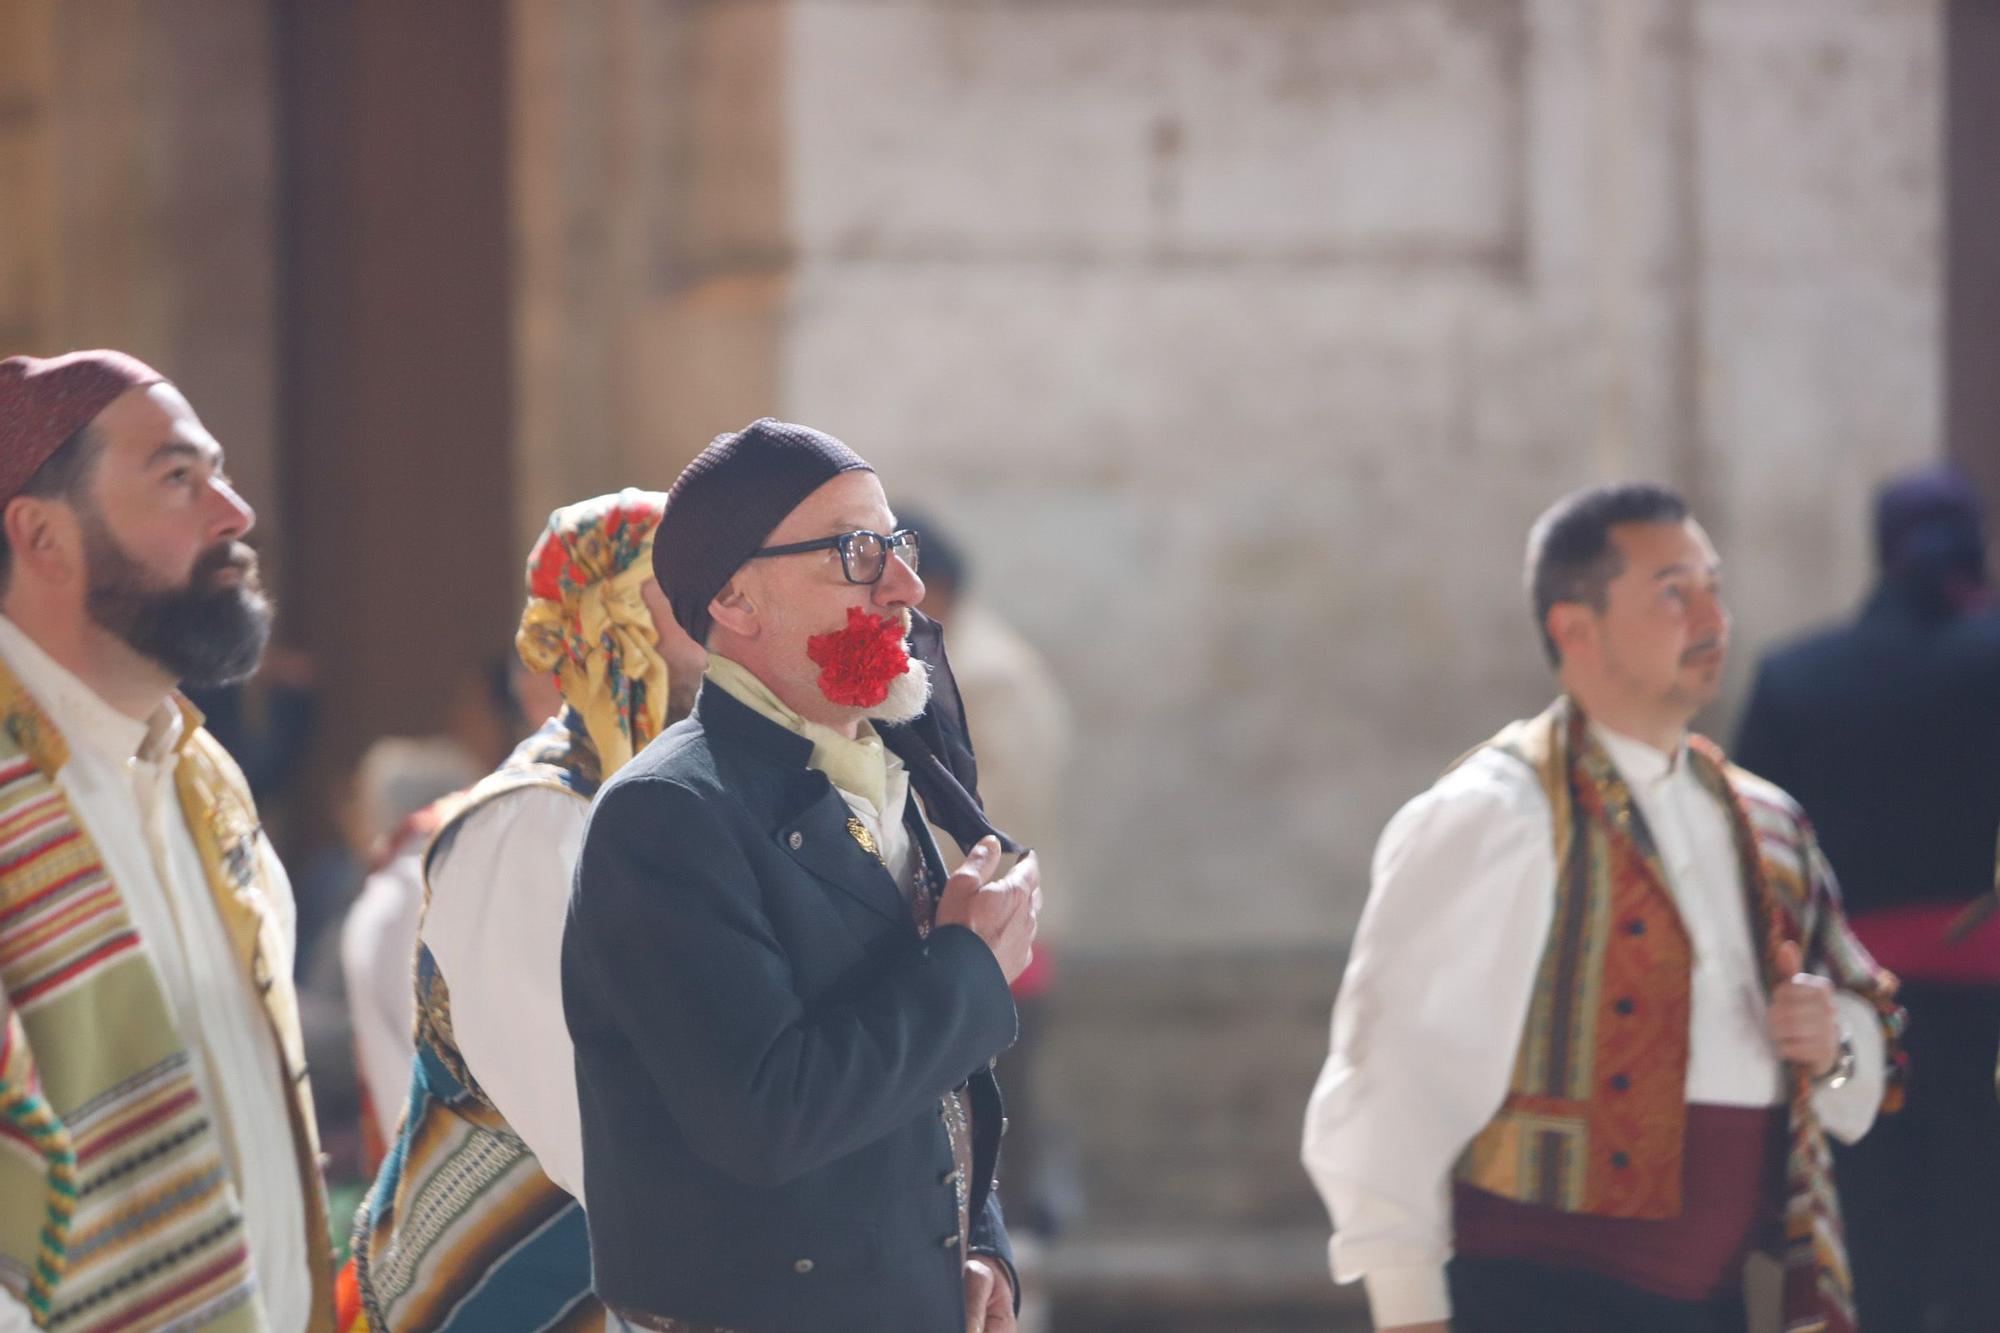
859 832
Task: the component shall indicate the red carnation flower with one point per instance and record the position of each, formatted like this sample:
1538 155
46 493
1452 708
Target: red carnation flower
859 663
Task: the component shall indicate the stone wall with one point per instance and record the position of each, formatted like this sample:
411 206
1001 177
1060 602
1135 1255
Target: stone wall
1246 338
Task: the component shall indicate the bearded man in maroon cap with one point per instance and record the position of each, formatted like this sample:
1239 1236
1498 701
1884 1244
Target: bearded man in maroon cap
785 1005
158 1165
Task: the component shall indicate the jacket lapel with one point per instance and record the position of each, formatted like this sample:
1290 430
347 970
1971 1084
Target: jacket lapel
808 818
817 837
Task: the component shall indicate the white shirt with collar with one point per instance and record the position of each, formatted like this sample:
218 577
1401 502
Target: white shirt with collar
1436 994
499 900
119 780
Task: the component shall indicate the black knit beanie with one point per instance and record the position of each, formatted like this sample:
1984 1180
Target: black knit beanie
726 502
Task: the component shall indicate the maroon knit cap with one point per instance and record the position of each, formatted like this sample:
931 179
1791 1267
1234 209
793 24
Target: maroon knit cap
727 501
44 401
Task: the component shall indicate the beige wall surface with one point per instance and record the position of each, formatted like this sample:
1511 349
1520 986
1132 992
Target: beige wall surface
1246 339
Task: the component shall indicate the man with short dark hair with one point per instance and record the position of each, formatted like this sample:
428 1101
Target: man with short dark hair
1602 1008
162 1170
784 1009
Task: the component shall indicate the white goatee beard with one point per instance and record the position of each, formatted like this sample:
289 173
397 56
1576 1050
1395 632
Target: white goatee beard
909 694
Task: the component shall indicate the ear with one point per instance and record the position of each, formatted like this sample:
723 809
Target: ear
733 610
1573 626
41 537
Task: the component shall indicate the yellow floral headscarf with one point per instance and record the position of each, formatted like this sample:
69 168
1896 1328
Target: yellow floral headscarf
587 623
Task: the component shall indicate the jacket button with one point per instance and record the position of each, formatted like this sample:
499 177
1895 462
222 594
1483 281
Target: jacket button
948 1178
948 1242
1620 1160
1003 1124
802 1266
1619 1083
796 841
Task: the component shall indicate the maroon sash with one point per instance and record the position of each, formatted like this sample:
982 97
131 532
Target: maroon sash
1733 1165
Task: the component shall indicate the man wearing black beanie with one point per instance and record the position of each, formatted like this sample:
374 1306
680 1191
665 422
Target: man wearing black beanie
785 1009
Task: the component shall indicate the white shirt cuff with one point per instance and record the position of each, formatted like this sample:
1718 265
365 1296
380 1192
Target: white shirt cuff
1407 1296
1848 1112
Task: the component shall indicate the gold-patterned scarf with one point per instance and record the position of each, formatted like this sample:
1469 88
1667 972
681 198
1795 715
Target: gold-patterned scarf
586 620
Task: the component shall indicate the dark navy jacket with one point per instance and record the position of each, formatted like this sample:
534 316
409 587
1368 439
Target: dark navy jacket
762 1045
1887 731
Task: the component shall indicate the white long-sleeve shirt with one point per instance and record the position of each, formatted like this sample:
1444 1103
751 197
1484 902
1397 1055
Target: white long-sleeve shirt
1430 1013
120 782
499 897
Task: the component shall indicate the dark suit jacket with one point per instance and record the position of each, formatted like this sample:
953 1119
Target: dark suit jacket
762 1045
1887 731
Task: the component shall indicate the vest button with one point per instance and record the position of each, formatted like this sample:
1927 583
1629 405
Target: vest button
948 1242
1620 1160
1625 1006
1620 1082
796 841
948 1178
1635 927
802 1266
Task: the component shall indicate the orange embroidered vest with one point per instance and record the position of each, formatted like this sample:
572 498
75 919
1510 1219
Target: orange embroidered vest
1596 1110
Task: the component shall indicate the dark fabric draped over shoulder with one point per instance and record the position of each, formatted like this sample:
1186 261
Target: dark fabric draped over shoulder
937 748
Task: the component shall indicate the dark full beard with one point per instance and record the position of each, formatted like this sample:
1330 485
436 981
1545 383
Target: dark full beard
203 633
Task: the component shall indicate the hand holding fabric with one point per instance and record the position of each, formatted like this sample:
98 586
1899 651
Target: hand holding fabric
1804 1021
1002 913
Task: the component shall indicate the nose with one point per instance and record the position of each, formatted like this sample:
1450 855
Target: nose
899 585
1711 616
231 515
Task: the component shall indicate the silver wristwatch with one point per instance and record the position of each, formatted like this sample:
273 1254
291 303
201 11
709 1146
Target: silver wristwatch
1843 1067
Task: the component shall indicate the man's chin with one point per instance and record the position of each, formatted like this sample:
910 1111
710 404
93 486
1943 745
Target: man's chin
1698 689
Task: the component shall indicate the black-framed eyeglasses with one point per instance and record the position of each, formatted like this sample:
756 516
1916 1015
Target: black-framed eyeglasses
863 554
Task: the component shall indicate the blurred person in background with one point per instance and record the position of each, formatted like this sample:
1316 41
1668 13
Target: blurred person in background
785 1013
388 793
1602 1009
1021 727
491 1097
161 1167
1887 731
403 781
